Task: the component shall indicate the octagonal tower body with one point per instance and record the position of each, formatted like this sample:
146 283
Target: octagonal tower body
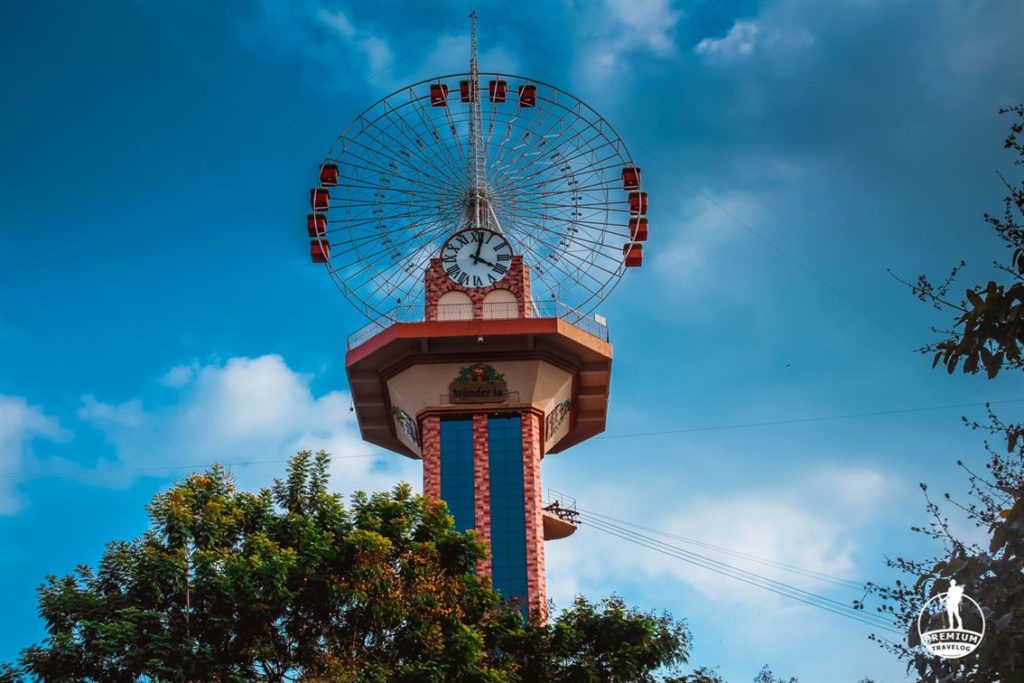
481 384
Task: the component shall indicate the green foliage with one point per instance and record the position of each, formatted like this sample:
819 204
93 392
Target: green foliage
988 330
701 675
765 675
289 584
988 333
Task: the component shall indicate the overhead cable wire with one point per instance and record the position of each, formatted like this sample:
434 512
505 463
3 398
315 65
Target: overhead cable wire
809 573
795 262
801 420
724 566
632 435
751 578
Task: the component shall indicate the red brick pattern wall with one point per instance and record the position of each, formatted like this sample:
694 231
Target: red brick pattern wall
437 282
430 442
527 291
482 487
535 576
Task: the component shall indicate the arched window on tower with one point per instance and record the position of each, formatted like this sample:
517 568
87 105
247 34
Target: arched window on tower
500 303
454 306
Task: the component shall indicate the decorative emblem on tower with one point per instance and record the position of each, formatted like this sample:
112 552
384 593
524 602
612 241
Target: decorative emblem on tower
478 383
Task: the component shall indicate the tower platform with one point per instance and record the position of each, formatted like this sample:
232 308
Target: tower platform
552 356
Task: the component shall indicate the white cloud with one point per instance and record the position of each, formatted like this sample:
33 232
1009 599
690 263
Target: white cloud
450 54
645 23
745 37
706 223
328 40
20 425
179 375
246 410
338 49
858 488
738 41
782 523
618 29
338 21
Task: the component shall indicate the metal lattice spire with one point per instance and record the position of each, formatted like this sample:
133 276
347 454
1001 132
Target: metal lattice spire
477 178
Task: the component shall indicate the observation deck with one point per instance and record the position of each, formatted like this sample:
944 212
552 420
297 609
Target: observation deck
556 362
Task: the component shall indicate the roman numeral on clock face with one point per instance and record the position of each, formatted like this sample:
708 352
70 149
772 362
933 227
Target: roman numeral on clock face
476 258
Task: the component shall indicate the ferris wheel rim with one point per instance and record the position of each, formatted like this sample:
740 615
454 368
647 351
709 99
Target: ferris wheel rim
438 79
391 104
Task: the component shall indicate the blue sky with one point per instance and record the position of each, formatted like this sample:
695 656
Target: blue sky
157 309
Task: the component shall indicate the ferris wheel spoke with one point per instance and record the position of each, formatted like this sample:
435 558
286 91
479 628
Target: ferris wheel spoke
573 234
381 148
458 176
361 203
566 242
378 149
559 163
554 206
385 174
491 120
508 149
369 236
586 189
557 158
389 246
413 269
352 183
442 175
558 247
592 168
534 137
576 257
372 220
550 267
453 177
541 138
503 149
436 181
524 155
420 177
453 129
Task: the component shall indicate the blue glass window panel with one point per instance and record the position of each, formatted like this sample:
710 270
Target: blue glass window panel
457 470
508 506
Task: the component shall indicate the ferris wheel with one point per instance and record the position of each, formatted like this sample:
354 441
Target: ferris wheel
485 152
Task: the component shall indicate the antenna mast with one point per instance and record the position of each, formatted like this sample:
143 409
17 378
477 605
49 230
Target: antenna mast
477 181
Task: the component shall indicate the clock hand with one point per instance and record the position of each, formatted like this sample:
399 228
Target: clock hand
477 259
479 246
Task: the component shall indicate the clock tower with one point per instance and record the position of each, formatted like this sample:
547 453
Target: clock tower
482 389
479 240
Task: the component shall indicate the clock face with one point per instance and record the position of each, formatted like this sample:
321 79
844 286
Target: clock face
476 258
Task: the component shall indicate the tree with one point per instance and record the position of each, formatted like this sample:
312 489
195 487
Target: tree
987 332
988 328
289 584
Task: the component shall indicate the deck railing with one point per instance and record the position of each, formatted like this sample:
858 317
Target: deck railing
589 323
